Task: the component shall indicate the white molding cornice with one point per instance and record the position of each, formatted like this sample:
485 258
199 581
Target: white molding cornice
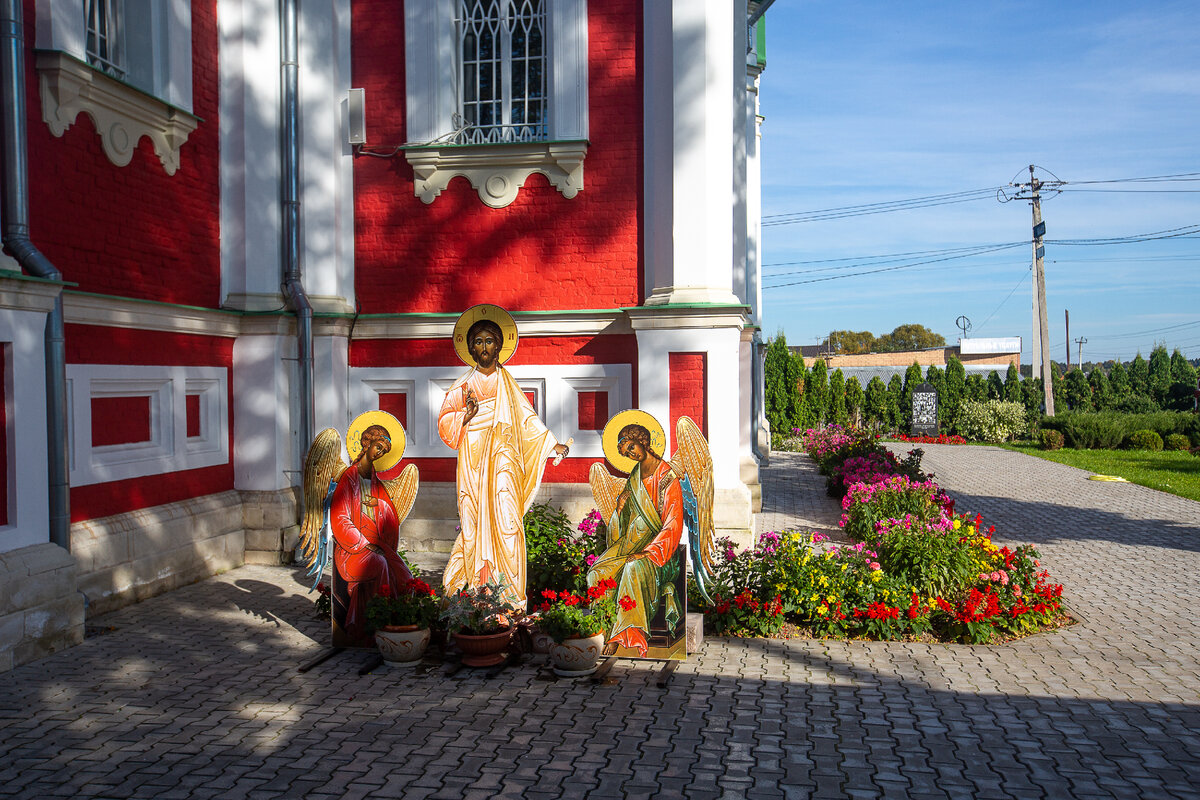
121 114
441 326
497 171
122 312
679 317
28 294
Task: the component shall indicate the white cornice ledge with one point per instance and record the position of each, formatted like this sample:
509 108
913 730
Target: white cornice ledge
122 312
122 114
497 171
21 293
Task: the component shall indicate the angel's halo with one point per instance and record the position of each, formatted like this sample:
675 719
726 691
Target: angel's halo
395 431
632 416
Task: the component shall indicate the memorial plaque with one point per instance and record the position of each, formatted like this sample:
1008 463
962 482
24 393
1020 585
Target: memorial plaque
924 411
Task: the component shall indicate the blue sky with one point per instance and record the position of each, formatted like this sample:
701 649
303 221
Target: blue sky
869 102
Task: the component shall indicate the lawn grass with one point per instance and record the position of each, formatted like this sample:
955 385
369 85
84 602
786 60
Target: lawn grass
1176 472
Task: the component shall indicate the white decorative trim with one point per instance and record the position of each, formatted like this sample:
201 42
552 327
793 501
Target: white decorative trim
497 171
120 312
122 115
438 326
169 449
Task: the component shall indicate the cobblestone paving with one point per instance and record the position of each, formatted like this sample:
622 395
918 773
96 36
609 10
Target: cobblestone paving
195 693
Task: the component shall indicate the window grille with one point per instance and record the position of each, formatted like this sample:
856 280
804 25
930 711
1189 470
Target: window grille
104 40
502 95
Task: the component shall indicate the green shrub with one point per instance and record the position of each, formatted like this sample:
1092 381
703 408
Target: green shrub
1051 440
1090 431
1177 441
1145 440
990 420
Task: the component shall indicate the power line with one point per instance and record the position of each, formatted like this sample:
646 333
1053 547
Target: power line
892 268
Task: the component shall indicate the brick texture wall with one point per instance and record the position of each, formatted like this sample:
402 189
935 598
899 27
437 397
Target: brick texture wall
543 251
688 389
132 231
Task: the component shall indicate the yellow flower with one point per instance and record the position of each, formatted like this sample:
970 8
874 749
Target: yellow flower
875 576
957 524
822 610
814 599
829 598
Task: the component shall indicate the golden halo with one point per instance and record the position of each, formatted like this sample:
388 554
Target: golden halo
395 430
508 328
658 440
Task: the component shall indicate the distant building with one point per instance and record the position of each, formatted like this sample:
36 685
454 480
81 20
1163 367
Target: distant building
977 356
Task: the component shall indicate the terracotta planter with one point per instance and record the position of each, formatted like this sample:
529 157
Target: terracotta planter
402 645
487 650
575 658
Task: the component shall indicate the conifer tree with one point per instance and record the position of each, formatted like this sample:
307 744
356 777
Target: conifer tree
816 392
895 398
875 404
1101 392
836 412
912 379
1057 388
1160 376
854 400
1031 393
976 387
782 392
936 378
1077 391
1183 382
995 386
1012 384
1139 376
1118 383
955 389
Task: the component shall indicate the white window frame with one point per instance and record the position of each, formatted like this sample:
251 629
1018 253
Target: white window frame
497 170
152 94
104 29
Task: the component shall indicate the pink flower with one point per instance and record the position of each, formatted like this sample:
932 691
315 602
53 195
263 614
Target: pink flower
983 576
591 560
1017 589
995 576
875 565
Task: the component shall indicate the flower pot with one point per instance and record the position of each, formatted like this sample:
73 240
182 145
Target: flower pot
487 650
575 658
402 645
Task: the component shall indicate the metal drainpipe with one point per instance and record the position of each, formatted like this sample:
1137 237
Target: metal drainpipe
293 288
756 396
14 211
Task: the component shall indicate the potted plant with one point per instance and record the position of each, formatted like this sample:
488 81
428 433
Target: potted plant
401 621
481 622
578 624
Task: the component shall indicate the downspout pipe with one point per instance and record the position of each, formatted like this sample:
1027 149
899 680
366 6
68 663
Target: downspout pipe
293 288
14 212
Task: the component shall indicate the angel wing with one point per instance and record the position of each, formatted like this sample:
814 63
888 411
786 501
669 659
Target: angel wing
692 456
605 490
322 466
403 491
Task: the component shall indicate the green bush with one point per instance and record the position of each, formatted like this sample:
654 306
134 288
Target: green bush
1145 440
1108 430
989 420
1052 440
1177 441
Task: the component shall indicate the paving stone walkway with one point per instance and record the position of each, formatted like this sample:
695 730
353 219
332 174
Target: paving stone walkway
196 693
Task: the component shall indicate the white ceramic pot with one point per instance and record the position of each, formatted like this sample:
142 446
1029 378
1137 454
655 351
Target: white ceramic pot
575 658
402 645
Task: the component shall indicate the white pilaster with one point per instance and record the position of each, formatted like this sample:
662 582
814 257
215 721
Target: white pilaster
689 127
22 346
263 406
249 114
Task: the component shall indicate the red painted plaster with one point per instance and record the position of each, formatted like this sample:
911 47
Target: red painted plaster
689 388
120 420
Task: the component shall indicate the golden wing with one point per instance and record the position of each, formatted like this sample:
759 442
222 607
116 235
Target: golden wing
605 490
692 455
403 491
322 466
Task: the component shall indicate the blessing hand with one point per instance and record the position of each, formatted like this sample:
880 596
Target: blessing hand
470 404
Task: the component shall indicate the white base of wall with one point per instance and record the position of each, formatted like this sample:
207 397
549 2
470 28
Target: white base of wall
130 557
271 521
40 610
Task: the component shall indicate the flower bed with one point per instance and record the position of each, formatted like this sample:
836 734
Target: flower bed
939 439
917 569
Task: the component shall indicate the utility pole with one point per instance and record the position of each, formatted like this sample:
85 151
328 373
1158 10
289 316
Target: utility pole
1032 192
1067 317
1081 341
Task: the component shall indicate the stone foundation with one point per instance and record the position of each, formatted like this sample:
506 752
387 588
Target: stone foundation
129 557
40 610
271 521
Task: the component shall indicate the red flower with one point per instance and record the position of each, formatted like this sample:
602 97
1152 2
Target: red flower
607 583
322 588
549 594
595 592
570 599
627 603
385 590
